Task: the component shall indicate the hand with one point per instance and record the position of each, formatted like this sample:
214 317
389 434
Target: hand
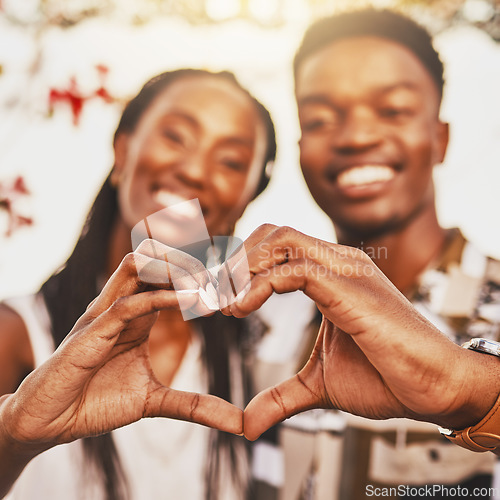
375 356
100 377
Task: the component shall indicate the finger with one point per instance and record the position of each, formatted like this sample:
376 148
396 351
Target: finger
289 277
234 283
280 246
344 296
304 391
202 409
183 282
125 281
234 274
164 274
257 236
159 251
276 404
185 272
95 341
269 248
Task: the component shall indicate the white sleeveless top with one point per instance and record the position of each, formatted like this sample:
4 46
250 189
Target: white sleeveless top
162 458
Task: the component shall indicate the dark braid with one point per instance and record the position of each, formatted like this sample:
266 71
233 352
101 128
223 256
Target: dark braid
67 295
68 292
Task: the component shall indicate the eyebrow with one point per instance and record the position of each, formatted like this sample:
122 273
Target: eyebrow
226 141
397 86
181 114
237 141
325 100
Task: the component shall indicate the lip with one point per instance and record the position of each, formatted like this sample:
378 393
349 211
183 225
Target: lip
363 179
178 204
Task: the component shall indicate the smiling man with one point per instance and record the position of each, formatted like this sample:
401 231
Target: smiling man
368 86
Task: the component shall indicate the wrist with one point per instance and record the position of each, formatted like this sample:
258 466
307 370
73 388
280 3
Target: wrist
484 433
12 441
15 454
483 436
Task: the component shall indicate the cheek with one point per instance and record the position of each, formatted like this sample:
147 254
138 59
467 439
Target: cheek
150 155
421 156
228 189
419 141
313 152
312 163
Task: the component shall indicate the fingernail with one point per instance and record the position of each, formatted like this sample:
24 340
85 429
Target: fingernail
242 293
212 292
185 304
207 300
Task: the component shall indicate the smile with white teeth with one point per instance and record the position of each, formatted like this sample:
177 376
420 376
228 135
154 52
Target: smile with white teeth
176 203
365 174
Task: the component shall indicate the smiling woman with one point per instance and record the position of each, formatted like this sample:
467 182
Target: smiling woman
187 134
189 146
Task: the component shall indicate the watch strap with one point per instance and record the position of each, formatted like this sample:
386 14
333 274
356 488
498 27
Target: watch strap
484 436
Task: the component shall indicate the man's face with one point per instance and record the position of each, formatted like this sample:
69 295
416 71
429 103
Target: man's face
371 134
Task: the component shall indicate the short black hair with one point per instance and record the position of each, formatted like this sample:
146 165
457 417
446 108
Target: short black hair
373 22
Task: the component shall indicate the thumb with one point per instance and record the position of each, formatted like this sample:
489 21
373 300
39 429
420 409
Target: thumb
203 409
275 404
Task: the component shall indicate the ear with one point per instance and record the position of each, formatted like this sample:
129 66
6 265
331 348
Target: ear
442 138
120 147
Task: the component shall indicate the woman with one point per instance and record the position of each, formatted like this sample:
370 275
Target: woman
188 134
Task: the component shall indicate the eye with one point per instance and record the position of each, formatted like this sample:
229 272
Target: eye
233 164
173 136
312 125
394 112
320 122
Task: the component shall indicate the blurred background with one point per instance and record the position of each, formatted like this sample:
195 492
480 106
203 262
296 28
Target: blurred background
68 66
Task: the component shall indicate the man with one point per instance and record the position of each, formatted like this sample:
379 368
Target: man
368 86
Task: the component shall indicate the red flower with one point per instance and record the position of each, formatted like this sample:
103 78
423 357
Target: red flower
72 95
101 68
8 195
75 98
104 94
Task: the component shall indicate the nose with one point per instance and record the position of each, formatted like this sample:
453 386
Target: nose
359 131
193 171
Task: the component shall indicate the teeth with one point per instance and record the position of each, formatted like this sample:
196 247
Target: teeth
366 174
176 203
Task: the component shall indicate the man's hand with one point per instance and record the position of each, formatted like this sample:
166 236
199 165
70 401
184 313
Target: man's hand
375 355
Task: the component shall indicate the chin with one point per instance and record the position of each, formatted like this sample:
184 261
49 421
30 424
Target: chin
369 229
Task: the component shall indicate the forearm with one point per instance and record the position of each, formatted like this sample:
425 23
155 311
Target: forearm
14 455
435 379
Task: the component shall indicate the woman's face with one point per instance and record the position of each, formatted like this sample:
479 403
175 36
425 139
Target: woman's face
200 138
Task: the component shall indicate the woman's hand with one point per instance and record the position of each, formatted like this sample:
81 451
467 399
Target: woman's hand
375 355
100 377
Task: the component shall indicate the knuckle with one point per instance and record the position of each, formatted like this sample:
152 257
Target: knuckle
118 310
362 255
145 245
266 228
119 305
193 411
129 263
284 232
